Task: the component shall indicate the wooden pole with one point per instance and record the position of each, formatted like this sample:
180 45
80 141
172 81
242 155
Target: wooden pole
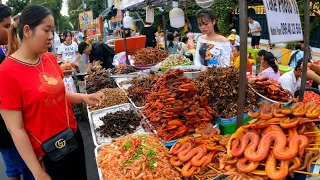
306 37
243 60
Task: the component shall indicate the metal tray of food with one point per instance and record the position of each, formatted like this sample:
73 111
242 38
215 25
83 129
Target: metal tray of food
96 151
124 75
122 79
95 122
265 98
133 104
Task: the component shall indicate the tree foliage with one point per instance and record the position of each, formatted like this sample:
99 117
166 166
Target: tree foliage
17 5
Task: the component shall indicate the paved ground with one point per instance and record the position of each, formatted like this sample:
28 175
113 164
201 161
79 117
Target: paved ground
89 150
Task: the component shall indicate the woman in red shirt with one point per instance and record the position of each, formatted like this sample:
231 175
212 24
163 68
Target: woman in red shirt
35 105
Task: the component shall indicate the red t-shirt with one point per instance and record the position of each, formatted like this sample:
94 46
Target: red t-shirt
42 103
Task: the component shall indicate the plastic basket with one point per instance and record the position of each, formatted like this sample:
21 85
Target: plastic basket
230 128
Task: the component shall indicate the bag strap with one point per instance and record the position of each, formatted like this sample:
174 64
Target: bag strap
66 102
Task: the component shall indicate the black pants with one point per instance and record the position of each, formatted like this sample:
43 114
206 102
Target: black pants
70 167
255 41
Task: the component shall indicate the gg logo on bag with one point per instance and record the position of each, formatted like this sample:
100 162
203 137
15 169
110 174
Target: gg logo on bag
60 143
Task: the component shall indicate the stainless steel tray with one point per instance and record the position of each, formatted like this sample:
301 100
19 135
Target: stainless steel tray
96 151
133 104
95 122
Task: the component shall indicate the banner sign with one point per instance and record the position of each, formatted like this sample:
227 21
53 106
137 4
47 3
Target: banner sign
86 20
127 3
284 22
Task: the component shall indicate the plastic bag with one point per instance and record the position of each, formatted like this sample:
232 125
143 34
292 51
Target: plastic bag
120 58
69 84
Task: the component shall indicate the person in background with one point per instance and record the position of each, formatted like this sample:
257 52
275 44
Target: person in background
295 56
310 49
190 40
61 38
233 42
127 31
172 45
177 37
183 46
270 67
176 32
292 79
255 30
234 32
213 49
236 59
261 53
151 33
35 105
99 53
161 40
15 166
68 50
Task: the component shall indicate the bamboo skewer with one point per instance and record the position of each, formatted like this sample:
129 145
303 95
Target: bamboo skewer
301 172
215 169
312 149
315 163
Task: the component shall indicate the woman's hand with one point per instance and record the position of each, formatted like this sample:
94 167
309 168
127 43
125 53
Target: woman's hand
94 99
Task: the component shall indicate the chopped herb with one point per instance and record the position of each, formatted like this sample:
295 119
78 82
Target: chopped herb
143 138
127 145
134 157
152 163
151 153
141 147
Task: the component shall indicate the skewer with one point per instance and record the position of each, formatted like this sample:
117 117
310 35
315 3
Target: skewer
315 163
313 144
312 132
312 149
308 173
215 169
301 172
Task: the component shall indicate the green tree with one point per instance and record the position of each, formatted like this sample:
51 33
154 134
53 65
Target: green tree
17 5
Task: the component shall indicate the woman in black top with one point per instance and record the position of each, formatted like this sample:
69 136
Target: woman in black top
151 33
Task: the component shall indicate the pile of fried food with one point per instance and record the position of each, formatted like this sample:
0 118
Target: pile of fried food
174 60
113 96
137 92
148 56
203 155
280 141
136 157
66 66
98 79
119 123
270 89
175 107
123 69
221 86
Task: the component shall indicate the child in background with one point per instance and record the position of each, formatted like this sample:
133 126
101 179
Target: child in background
172 45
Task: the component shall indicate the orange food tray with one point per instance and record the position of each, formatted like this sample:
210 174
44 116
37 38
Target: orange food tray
133 44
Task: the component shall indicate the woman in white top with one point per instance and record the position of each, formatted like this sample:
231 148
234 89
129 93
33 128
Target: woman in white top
68 50
213 49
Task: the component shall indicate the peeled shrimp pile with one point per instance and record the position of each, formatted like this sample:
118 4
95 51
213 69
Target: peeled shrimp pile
136 157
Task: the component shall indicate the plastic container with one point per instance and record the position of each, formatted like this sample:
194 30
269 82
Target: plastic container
254 70
176 15
229 128
228 121
166 68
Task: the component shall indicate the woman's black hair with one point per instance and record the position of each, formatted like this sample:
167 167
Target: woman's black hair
32 16
170 38
237 48
262 52
184 39
5 12
65 33
297 47
271 60
208 14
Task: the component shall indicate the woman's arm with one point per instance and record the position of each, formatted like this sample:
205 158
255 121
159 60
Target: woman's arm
59 57
197 60
14 123
90 99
